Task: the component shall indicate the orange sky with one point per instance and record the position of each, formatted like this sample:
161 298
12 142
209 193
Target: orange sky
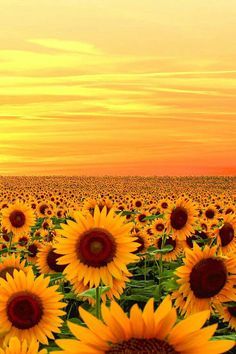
118 87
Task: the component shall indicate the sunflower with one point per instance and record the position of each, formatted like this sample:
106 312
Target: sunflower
211 212
47 260
18 218
206 279
10 263
29 308
96 248
227 314
143 332
158 227
181 219
141 238
33 250
16 346
198 236
174 253
226 234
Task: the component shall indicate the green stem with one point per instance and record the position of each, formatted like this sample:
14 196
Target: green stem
98 303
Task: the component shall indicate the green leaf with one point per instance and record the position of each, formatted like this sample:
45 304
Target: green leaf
153 217
92 292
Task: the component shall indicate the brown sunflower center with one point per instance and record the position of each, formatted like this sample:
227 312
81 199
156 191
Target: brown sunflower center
138 203
141 217
226 234
96 247
142 346
9 270
199 236
208 277
52 261
33 249
178 218
141 243
169 241
159 227
164 205
23 241
232 310
43 208
17 218
24 310
210 213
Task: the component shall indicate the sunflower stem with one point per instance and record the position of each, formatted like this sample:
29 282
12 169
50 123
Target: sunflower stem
98 303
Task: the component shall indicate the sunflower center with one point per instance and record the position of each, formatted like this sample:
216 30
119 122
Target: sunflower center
138 204
17 218
142 346
141 217
96 247
210 213
24 310
164 205
208 277
9 270
232 310
33 249
226 234
159 227
169 241
179 217
199 236
141 246
52 261
43 208
23 241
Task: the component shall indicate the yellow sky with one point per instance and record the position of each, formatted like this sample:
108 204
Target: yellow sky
117 87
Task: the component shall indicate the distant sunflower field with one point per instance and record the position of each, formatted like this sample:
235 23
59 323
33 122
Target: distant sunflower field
117 265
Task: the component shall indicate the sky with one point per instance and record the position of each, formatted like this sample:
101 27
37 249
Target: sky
117 87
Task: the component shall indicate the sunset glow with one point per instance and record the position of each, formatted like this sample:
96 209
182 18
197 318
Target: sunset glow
118 87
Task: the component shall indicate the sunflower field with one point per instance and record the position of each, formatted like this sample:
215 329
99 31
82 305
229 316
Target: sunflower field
109 265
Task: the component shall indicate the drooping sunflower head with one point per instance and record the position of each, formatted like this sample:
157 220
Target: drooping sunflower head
96 248
144 332
18 218
28 306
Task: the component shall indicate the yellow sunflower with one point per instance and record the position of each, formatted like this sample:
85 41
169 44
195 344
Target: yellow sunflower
158 227
47 260
141 238
16 346
9 263
144 332
29 308
173 254
211 212
206 279
227 314
96 248
33 250
18 218
226 234
181 219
